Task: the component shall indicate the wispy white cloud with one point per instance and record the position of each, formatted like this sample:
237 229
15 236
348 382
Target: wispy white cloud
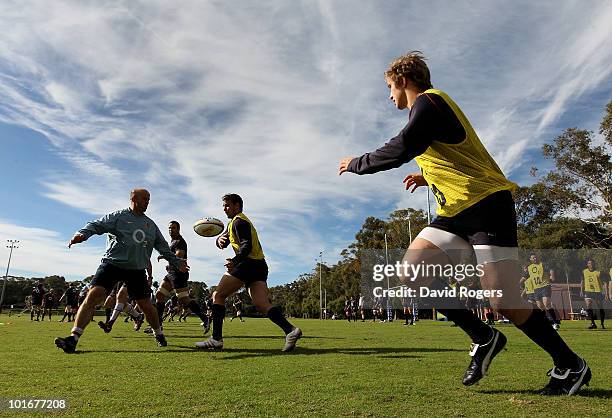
264 99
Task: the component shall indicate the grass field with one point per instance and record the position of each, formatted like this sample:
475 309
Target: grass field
338 369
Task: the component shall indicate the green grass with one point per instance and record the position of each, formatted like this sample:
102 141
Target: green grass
339 369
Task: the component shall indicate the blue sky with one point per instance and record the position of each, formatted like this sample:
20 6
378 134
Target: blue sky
197 99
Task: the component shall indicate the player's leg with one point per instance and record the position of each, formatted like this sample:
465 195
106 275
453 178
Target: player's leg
602 312
550 311
94 297
228 285
139 290
163 293
258 290
435 247
183 296
570 371
589 308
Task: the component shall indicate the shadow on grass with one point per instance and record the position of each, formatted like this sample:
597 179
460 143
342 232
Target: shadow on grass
382 352
242 353
200 337
585 393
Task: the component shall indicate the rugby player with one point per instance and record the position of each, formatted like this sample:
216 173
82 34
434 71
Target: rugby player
528 286
541 284
132 236
47 305
71 295
175 279
248 268
38 293
475 211
237 304
593 288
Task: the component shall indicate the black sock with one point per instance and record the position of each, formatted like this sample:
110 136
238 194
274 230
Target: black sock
553 316
591 315
275 314
538 329
602 315
195 308
160 311
479 332
108 312
218 312
31 315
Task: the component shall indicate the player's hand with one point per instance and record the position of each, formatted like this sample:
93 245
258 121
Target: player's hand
581 295
229 265
77 239
414 180
222 241
150 281
183 267
344 163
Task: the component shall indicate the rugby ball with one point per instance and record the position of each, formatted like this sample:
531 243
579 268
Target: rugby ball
208 227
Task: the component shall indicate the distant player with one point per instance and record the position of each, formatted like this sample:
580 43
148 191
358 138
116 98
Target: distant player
71 300
132 236
476 212
542 278
248 268
347 310
175 279
528 286
362 308
593 289
237 305
48 304
38 293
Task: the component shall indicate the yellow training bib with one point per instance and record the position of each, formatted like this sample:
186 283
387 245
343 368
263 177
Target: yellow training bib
256 251
536 273
460 175
592 281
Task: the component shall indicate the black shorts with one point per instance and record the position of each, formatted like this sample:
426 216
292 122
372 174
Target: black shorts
543 292
596 296
109 275
531 297
36 302
492 221
250 271
179 280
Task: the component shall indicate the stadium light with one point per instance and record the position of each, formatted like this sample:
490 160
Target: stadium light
12 245
321 284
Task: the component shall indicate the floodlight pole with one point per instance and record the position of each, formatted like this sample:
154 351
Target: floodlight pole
12 245
321 285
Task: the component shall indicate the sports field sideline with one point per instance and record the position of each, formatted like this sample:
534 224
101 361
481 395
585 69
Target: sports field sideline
338 369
